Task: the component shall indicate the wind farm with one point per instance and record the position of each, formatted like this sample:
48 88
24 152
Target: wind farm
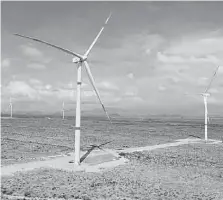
123 129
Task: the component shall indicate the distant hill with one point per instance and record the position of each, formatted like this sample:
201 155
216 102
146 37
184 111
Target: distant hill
117 113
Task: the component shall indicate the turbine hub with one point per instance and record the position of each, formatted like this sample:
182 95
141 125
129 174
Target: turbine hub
84 58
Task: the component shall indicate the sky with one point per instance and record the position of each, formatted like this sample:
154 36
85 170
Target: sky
149 56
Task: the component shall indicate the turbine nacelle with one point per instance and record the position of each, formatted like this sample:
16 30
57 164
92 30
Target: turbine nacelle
78 60
205 94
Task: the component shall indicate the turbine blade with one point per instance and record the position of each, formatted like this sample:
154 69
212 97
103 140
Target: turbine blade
98 35
52 45
95 89
211 80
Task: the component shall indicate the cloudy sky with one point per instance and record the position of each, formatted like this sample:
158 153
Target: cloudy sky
149 55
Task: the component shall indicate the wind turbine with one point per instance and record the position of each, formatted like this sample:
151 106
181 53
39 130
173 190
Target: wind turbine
79 60
10 105
63 110
205 96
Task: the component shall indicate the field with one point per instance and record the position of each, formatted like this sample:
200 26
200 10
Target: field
185 172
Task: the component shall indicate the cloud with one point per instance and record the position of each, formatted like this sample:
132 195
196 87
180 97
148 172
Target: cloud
188 58
161 88
137 99
174 79
63 90
48 87
106 85
88 93
31 51
212 100
34 89
132 50
21 88
129 100
197 45
177 59
146 41
151 42
220 70
130 75
61 94
35 81
129 97
45 92
37 84
203 81
132 57
84 85
5 63
36 66
169 59
199 48
130 93
148 51
213 91
36 55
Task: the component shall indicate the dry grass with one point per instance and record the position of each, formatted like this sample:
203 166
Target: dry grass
189 172
27 138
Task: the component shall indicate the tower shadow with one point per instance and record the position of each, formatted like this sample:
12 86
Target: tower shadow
91 149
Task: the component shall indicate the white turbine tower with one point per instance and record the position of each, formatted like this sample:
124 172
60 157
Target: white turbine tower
10 105
63 110
79 60
205 97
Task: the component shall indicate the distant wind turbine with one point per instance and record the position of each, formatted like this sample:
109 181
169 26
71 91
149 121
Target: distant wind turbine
205 96
10 106
63 110
79 60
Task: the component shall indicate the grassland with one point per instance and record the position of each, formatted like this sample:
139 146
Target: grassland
189 172
23 139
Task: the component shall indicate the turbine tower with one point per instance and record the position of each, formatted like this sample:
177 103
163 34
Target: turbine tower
63 110
79 60
10 105
205 97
